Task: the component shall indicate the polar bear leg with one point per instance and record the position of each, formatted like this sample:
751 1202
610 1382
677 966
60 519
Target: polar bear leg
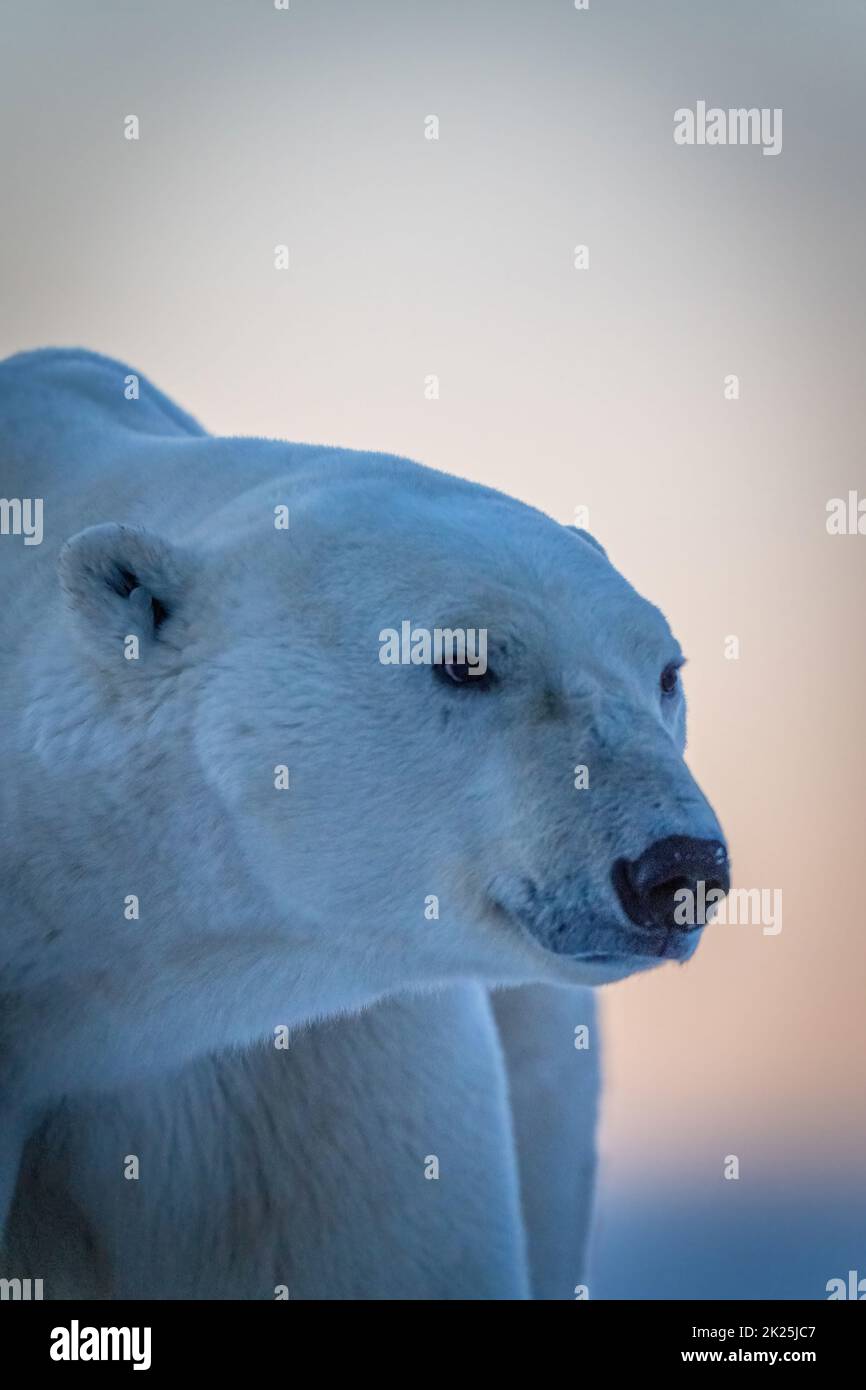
304 1169
553 1084
14 1128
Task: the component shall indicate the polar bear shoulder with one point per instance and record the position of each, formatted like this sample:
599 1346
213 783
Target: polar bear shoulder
73 386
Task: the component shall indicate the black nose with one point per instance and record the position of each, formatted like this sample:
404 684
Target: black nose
648 887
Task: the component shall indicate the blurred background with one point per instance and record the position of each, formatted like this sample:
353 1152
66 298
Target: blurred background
601 388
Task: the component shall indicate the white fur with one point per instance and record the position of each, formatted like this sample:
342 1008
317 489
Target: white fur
155 777
302 1168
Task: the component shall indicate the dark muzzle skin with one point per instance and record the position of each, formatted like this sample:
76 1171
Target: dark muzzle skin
647 886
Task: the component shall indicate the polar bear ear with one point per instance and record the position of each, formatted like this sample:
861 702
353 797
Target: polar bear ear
585 536
120 581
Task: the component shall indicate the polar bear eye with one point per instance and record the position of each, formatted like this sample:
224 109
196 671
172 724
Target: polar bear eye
461 673
670 678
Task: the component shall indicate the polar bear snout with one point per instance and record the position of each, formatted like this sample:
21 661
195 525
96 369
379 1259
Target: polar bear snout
676 882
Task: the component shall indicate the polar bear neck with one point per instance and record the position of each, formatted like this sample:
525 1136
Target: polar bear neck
174 905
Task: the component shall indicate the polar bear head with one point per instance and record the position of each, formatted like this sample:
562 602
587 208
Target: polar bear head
514 808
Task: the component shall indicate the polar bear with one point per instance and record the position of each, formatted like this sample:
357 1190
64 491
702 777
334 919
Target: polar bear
232 818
